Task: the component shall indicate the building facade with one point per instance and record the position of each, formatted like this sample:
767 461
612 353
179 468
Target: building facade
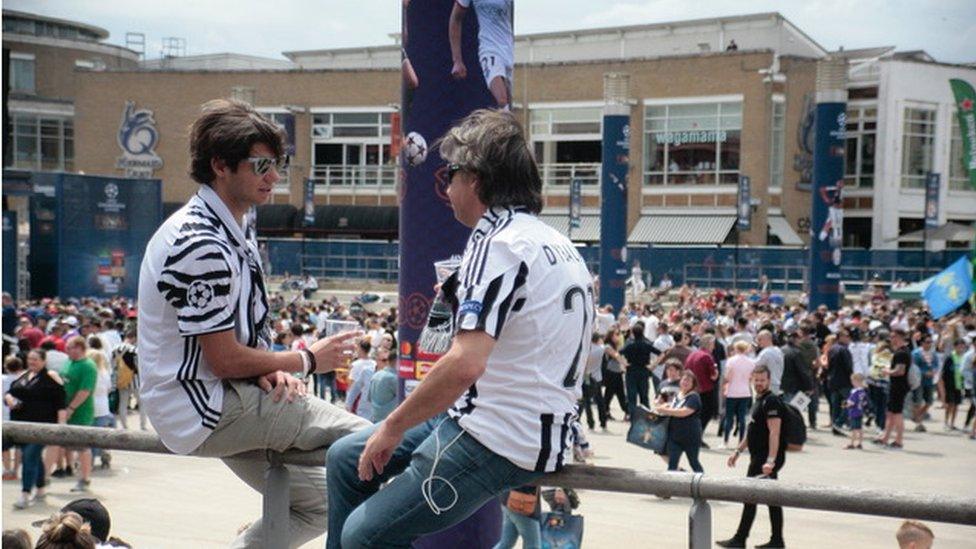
710 101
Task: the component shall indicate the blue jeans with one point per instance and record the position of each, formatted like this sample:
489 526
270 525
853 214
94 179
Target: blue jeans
33 473
515 525
362 516
736 409
687 447
637 388
102 421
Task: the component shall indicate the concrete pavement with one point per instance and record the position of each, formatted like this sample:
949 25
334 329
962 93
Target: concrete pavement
169 501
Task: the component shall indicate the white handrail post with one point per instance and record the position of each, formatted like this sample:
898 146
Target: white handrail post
276 504
699 518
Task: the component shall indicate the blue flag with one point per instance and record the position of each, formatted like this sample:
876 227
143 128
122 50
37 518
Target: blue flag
950 288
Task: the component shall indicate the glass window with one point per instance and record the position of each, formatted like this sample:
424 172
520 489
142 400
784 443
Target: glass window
918 144
958 175
777 144
353 148
692 143
547 124
42 143
22 74
861 134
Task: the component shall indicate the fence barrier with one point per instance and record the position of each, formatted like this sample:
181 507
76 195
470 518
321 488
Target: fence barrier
700 488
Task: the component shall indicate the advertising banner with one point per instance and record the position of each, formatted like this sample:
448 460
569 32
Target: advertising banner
575 202
308 202
966 104
613 209
10 252
103 226
744 207
827 211
931 200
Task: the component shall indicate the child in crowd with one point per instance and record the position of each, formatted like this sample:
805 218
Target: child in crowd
856 403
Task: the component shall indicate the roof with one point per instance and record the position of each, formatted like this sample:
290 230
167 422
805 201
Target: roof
101 33
682 229
217 61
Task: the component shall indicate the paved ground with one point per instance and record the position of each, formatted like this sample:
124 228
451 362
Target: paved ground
168 501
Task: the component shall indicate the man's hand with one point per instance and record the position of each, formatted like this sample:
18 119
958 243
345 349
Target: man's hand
459 71
284 385
378 451
333 352
733 458
767 468
560 497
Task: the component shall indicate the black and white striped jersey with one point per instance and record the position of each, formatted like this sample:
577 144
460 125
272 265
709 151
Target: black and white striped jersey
526 286
200 275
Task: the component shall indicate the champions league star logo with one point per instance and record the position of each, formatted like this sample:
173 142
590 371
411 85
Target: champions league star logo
138 137
111 191
199 294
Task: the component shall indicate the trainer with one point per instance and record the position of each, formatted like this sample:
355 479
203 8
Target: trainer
209 383
509 383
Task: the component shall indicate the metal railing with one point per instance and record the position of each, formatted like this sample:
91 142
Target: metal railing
353 176
369 267
560 175
700 488
792 278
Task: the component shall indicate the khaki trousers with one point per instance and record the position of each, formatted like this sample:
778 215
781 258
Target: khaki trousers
251 420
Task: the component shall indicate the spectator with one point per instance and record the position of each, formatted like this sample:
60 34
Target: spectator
13 368
901 361
103 385
521 516
383 385
738 397
360 373
914 535
856 404
928 364
16 539
878 383
702 364
771 357
125 360
684 429
796 374
592 379
36 396
952 381
613 374
66 531
81 377
840 366
637 352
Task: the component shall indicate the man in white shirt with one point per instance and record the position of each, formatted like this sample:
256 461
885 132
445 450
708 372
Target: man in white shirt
496 45
208 381
604 319
770 356
524 314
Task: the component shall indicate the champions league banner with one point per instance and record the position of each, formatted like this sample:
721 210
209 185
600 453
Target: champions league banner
458 56
103 225
827 216
10 252
613 209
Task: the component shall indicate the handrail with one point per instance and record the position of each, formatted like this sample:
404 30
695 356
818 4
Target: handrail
701 488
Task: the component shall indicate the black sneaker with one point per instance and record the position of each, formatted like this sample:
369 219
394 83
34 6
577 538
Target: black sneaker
705 445
837 432
58 473
772 544
732 542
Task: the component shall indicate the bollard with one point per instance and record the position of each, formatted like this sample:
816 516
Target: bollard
277 500
699 518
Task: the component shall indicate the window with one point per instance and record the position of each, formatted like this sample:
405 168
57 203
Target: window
777 154
908 225
958 175
567 142
918 144
279 118
857 232
862 131
22 72
352 148
43 143
692 143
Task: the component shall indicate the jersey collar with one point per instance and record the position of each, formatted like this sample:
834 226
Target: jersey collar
233 226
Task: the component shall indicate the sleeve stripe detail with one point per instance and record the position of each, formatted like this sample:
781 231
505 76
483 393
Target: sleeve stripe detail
545 442
190 352
483 260
488 303
190 278
198 243
506 303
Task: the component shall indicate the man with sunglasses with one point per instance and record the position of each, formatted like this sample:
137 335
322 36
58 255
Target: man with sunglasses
209 383
497 409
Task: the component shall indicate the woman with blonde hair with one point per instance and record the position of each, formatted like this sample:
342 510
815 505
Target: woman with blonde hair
103 386
737 390
66 531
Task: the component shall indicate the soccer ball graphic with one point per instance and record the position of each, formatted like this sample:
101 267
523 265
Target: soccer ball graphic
200 294
414 149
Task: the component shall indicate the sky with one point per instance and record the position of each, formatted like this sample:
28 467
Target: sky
946 29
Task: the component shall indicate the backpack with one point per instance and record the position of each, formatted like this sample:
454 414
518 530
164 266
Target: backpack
124 374
794 430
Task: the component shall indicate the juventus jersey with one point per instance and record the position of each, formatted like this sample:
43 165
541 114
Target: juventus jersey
495 34
526 286
200 275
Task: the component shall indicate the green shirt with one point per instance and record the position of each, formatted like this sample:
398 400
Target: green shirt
81 375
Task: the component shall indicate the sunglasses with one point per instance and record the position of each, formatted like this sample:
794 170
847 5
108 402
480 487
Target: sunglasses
261 164
451 170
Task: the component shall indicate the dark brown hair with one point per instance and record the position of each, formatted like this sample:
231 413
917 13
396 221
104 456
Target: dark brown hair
226 130
66 531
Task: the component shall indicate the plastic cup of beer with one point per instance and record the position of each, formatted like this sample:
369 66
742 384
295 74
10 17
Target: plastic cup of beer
444 268
336 327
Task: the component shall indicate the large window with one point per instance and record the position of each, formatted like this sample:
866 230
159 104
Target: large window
777 143
918 145
22 72
862 131
352 148
567 144
958 174
692 143
43 143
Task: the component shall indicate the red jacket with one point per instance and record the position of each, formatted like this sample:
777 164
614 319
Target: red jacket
703 365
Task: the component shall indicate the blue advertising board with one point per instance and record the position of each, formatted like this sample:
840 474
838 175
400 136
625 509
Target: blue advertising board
932 181
10 252
744 208
827 210
89 233
613 209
